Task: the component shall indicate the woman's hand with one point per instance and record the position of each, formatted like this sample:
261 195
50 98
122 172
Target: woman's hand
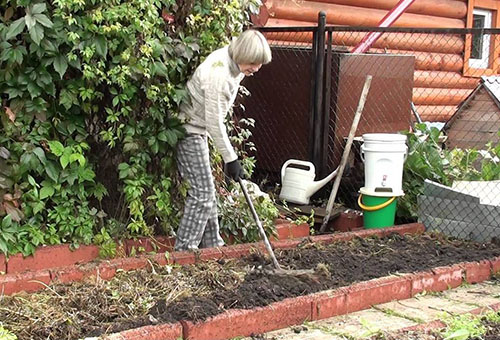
234 170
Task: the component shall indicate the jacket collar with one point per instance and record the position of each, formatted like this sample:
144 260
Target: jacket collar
233 67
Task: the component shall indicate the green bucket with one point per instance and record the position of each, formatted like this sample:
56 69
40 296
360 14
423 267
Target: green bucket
378 212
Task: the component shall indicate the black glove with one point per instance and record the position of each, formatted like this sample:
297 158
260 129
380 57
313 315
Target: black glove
233 170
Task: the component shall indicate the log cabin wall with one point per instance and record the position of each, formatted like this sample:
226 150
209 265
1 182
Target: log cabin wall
442 79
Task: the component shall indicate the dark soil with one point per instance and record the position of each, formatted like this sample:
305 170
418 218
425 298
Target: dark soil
197 292
492 333
338 265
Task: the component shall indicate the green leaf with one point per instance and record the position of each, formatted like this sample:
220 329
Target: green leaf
60 64
16 55
36 33
160 69
14 92
67 99
30 21
37 207
32 181
38 8
15 28
56 147
64 160
6 221
3 247
46 192
86 174
77 157
38 151
171 137
34 90
101 46
460 334
52 171
43 20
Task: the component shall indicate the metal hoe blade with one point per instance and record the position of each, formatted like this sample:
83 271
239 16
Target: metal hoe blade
306 273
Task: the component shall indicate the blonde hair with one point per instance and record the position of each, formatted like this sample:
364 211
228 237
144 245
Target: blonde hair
250 47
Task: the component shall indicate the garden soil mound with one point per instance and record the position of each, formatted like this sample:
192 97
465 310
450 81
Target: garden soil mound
196 292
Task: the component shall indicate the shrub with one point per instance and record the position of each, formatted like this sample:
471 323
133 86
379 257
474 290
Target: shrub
90 91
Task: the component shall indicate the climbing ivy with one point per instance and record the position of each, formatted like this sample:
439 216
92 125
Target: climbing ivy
89 91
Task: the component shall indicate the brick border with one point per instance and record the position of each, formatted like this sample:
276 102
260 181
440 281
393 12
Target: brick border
49 257
106 269
330 303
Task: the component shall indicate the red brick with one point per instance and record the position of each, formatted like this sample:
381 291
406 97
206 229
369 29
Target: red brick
28 282
164 244
246 322
3 264
495 265
329 303
289 230
106 270
347 221
300 231
403 229
437 280
210 254
172 331
67 274
131 263
138 246
51 257
476 272
162 259
238 250
286 244
365 294
331 238
183 257
451 276
424 327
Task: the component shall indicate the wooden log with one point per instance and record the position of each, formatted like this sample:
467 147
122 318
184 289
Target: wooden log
436 96
438 79
397 41
430 61
441 8
354 16
435 113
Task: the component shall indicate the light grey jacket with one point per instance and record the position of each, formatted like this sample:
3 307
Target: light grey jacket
212 90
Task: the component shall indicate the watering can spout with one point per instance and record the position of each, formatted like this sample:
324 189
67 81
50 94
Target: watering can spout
316 185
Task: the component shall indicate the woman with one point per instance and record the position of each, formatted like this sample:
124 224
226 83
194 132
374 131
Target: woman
212 91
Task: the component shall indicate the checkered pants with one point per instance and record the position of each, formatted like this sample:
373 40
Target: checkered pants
199 225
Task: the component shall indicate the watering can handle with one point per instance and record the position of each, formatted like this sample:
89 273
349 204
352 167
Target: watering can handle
298 162
362 153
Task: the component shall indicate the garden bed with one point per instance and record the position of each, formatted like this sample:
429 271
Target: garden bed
192 294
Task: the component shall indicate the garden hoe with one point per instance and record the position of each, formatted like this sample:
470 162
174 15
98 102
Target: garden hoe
277 268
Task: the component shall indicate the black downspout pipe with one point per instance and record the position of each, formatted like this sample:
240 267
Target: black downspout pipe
317 158
324 170
314 56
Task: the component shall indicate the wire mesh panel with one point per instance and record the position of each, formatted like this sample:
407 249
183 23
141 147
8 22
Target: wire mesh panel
279 101
439 86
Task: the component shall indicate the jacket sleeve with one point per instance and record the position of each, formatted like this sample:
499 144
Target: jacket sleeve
218 99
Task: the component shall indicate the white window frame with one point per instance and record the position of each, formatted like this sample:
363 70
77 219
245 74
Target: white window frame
484 62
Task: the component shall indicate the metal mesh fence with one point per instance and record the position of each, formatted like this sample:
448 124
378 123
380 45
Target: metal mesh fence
439 84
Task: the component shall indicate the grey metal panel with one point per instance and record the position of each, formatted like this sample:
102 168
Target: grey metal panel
442 191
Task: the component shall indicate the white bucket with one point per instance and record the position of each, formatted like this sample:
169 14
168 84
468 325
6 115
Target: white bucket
384 155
